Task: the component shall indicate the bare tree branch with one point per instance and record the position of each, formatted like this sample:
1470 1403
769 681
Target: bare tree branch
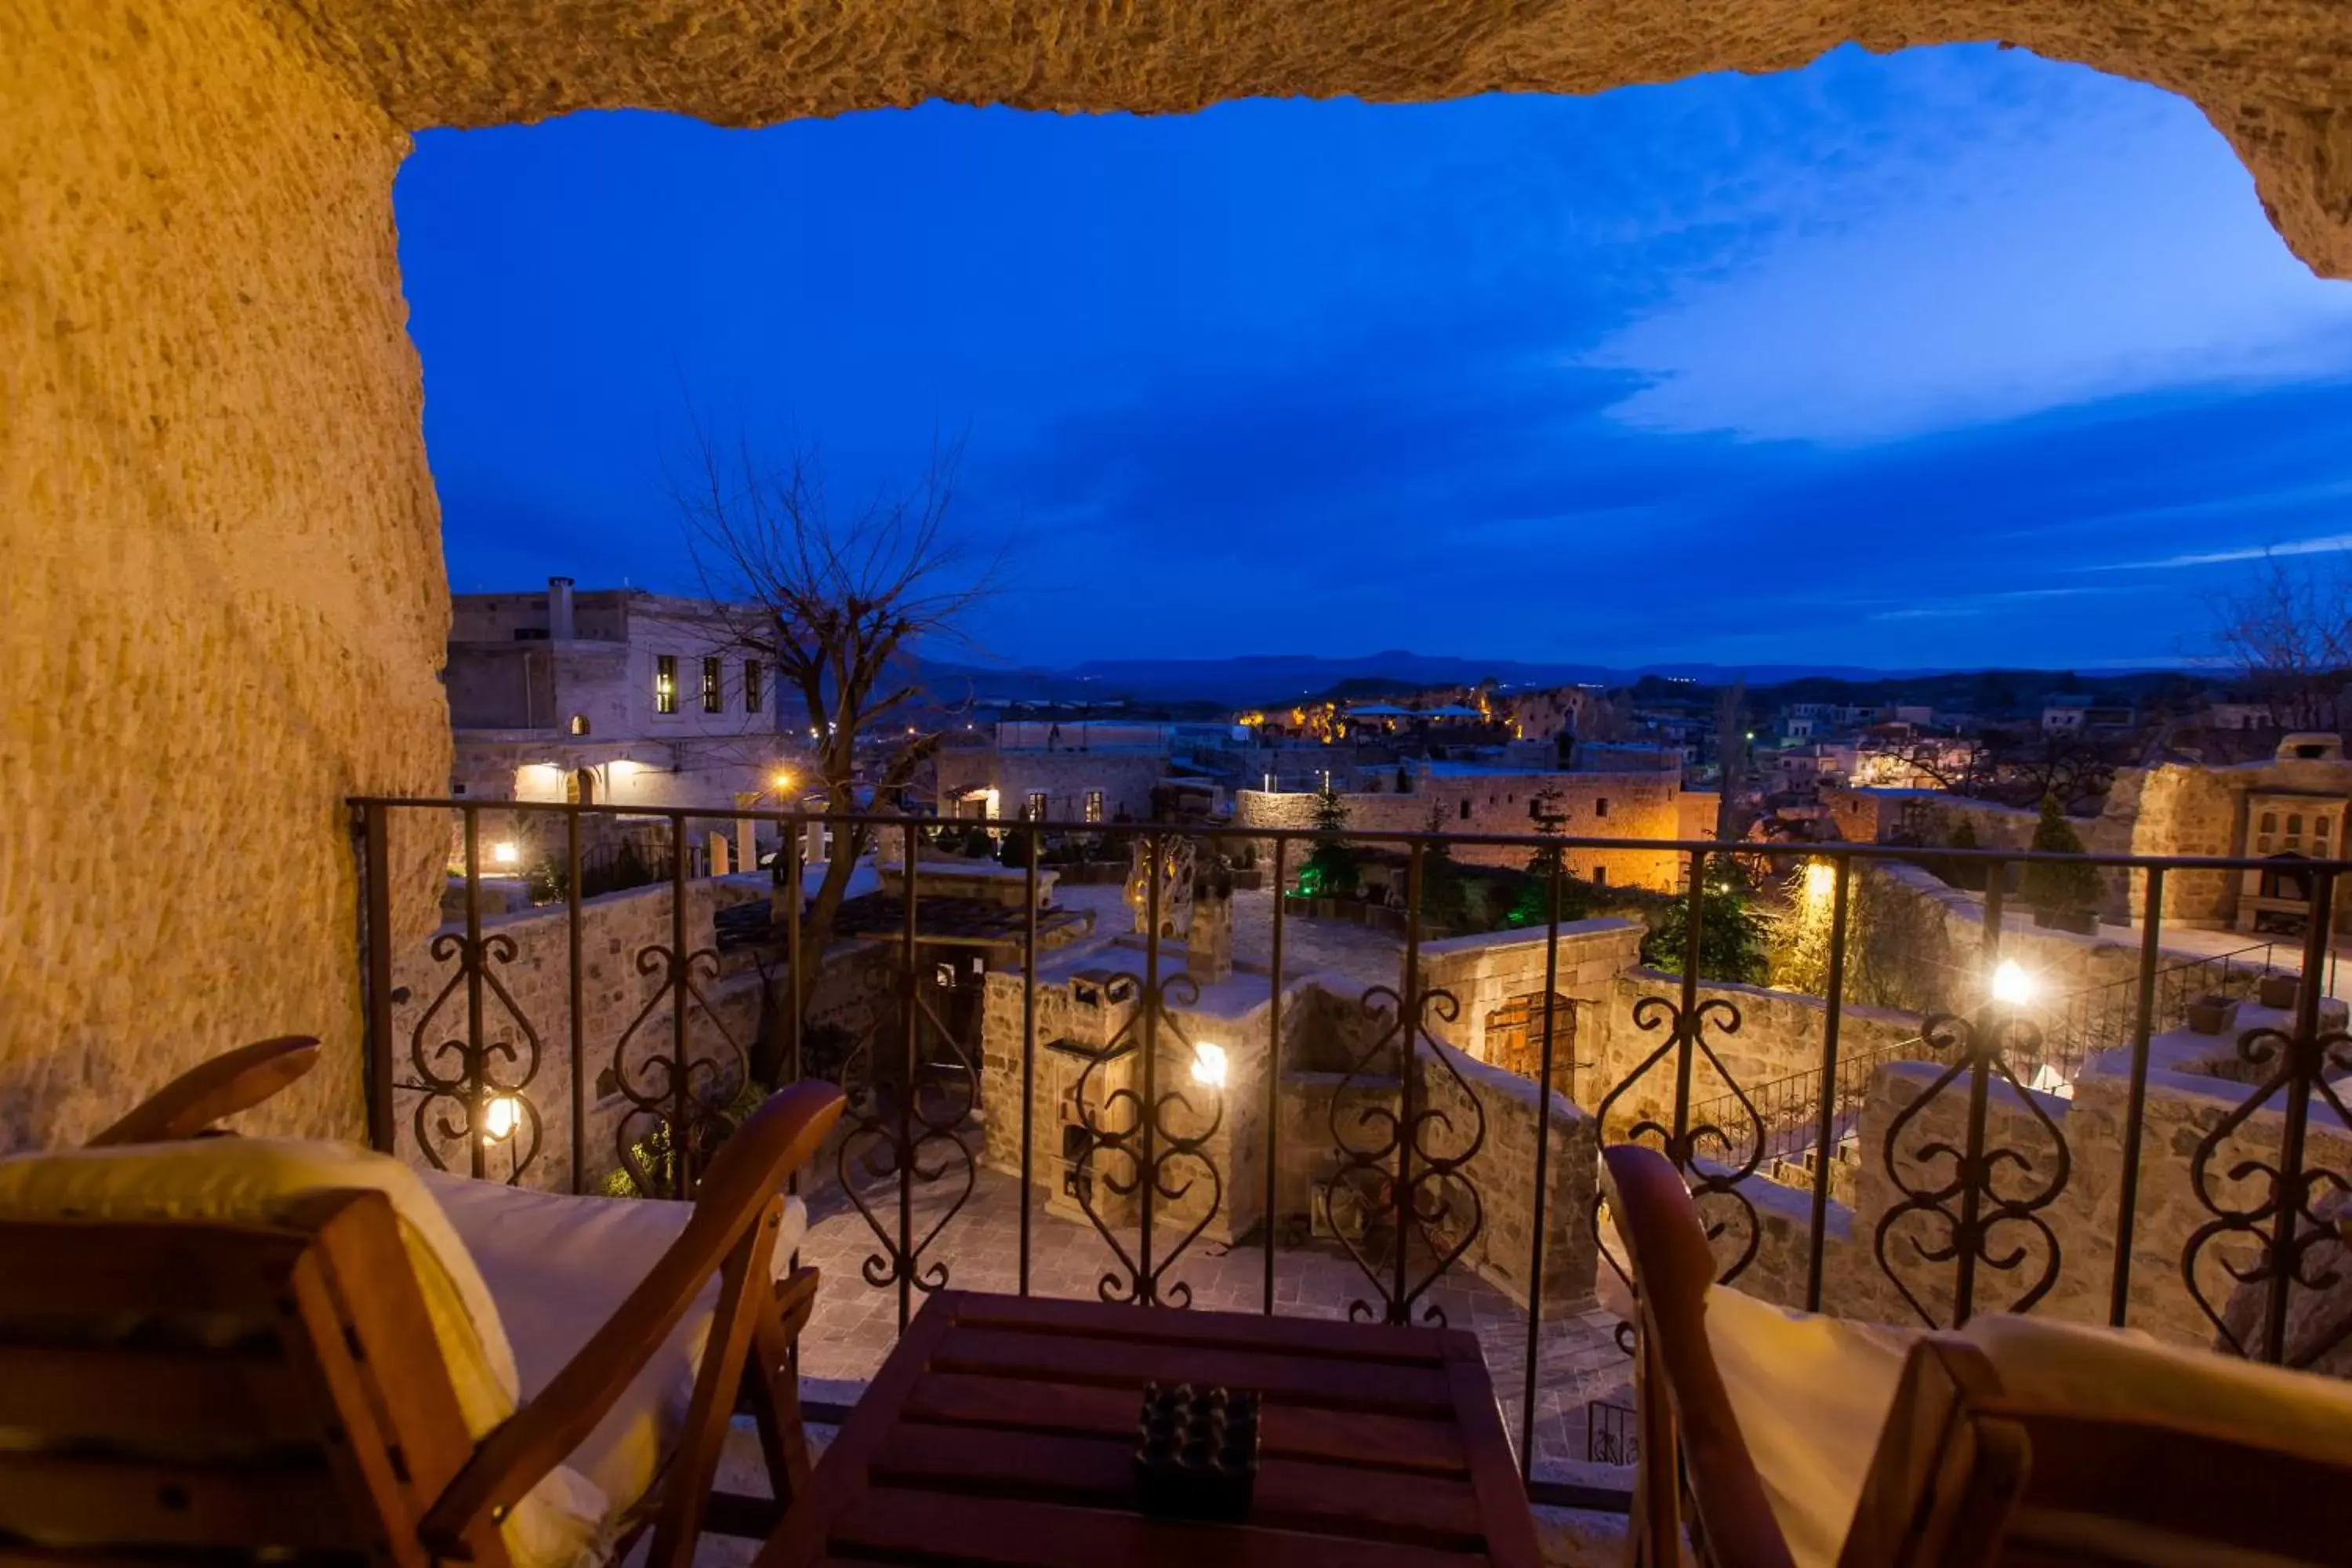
839 602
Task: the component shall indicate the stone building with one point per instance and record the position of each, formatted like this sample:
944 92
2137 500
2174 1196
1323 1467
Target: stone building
2292 806
1471 798
619 697
1059 772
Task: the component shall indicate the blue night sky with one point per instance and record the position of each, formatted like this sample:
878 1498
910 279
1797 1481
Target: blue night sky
1956 357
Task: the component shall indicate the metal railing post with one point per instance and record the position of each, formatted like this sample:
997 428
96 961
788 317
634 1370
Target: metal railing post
2143 1026
375 879
1274 1071
575 991
1825 1137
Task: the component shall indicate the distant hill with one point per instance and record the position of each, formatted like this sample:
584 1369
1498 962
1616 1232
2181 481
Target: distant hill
1258 680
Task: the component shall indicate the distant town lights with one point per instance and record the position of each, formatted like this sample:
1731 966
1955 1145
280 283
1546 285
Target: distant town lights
2011 987
1209 1065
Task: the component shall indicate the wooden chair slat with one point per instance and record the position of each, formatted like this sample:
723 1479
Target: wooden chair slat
1226 1331
1008 1353
94 1270
103 1499
1295 1431
132 1397
1099 1472
941 1528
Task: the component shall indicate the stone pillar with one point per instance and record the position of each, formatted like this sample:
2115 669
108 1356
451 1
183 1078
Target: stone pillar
718 848
1209 944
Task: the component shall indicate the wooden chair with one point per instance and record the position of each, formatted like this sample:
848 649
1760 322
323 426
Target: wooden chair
2015 1441
201 1390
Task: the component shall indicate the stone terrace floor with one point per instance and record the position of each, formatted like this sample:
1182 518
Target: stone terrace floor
855 1326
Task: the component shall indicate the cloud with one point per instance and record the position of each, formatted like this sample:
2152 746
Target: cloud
2326 545
2093 239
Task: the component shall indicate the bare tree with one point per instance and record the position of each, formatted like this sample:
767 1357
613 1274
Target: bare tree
837 602
2288 634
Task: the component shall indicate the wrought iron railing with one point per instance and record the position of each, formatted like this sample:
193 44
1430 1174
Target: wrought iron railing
1427 1169
1787 1110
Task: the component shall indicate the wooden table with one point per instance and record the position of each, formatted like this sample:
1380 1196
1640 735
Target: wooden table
1001 1431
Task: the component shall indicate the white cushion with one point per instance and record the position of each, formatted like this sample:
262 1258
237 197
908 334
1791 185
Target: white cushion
560 1267
258 1180
1809 1394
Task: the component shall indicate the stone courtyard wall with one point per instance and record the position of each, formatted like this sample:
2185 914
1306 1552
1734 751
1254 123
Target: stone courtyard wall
2083 1219
1779 1034
1484 973
614 929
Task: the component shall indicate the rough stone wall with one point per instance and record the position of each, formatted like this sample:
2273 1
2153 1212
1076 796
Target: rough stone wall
613 991
2083 1219
1779 1033
226 601
2275 79
1484 973
1939 969
2177 810
1631 806
1502 1174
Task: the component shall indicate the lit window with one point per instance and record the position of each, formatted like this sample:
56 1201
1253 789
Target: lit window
752 673
579 723
1034 808
666 683
1093 805
710 686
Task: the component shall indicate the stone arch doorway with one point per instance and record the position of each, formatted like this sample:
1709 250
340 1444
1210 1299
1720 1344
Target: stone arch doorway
1515 1040
579 787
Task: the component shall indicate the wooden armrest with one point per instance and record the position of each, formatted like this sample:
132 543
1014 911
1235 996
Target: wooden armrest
1674 1267
749 1172
233 1081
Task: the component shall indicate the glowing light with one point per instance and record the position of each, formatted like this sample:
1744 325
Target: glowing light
506 853
501 1116
1209 1065
2011 987
783 780
1821 879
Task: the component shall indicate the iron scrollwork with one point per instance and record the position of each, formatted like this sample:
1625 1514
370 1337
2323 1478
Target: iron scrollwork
904 1127
1398 1176
1957 1194
1707 1154
453 1101
1152 1157
2283 1216
679 1109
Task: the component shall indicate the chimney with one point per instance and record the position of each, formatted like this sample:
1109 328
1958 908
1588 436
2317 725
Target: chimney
559 609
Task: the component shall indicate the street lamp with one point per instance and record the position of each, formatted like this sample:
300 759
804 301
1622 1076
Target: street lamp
2011 985
1208 1065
